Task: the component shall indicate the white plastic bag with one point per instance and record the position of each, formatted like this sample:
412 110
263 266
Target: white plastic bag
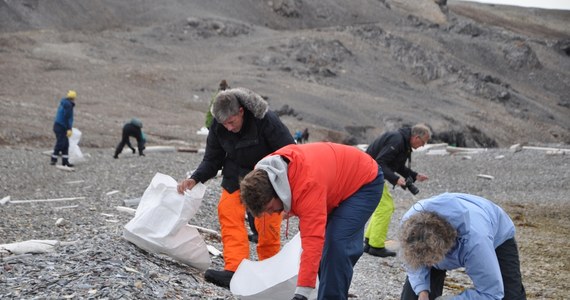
161 225
75 154
272 278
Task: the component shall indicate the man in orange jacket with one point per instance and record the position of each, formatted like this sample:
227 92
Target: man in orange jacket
333 189
243 131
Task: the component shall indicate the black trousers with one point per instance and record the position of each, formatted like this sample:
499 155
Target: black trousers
130 130
61 144
508 257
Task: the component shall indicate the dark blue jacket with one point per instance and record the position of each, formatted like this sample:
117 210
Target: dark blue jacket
237 153
391 151
64 115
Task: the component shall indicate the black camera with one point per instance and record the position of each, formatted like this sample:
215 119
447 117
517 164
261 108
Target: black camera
410 186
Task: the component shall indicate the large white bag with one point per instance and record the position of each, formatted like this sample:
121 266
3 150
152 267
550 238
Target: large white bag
161 225
273 278
75 154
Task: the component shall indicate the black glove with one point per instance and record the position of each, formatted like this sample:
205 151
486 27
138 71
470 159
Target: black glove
299 297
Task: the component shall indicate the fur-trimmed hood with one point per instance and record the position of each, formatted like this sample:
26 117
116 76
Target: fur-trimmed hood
248 99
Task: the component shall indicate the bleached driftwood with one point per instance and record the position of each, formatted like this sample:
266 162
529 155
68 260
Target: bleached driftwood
47 200
431 147
31 246
210 231
66 207
437 152
455 150
75 181
160 149
128 210
213 250
547 149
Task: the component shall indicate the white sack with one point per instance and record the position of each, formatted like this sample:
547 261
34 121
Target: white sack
75 154
161 225
273 278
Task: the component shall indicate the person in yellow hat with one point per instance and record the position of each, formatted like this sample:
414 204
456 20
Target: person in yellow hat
62 128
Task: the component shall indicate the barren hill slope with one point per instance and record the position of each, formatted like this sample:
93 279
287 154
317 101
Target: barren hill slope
478 75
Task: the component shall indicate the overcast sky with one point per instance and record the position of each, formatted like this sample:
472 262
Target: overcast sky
550 4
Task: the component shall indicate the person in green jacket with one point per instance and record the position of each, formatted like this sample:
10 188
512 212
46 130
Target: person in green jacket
209 118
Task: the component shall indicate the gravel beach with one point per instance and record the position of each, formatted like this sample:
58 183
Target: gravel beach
93 261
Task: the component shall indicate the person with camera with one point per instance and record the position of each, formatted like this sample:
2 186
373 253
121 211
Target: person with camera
391 151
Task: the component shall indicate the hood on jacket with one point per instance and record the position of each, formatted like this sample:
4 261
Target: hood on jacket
136 122
246 98
276 169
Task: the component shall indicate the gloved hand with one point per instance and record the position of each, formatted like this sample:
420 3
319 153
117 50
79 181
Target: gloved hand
69 133
299 297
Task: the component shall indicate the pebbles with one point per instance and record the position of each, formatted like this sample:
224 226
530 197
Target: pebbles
93 261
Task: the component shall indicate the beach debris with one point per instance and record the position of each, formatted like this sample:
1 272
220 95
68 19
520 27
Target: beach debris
65 168
4 200
60 222
30 246
515 148
112 193
47 200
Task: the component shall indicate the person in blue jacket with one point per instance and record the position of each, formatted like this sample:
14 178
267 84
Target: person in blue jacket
62 128
451 231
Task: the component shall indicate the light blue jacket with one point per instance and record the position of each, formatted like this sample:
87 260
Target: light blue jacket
64 116
481 227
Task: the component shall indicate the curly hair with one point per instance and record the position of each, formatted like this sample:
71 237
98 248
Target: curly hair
425 238
256 191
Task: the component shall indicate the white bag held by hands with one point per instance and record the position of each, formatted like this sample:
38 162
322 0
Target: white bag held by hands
75 154
273 278
161 225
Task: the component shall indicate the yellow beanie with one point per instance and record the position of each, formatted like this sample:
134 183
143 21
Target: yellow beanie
71 94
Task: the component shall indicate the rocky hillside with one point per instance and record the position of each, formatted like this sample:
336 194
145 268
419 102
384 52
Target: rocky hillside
479 75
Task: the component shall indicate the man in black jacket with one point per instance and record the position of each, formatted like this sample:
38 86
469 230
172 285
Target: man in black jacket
243 131
131 129
391 151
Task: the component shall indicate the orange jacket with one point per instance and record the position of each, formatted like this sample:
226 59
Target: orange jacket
321 176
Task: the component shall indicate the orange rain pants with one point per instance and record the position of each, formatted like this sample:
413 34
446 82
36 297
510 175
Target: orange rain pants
231 213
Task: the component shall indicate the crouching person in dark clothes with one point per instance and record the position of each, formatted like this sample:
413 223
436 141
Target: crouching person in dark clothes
451 231
132 129
333 189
